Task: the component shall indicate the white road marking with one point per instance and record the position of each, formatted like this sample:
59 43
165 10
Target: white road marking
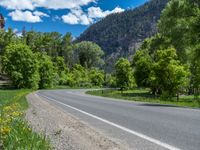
155 141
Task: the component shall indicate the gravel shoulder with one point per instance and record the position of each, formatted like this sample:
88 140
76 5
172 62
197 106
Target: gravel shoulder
65 131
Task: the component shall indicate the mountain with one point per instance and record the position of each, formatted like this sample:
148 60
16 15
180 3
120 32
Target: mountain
121 33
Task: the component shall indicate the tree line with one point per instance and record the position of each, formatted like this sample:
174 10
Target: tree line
44 60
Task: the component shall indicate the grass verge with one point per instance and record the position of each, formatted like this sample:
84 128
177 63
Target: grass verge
143 95
15 134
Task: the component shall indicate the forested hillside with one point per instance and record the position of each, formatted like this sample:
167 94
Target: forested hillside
120 34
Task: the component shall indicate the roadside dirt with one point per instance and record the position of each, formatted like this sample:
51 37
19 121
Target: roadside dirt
65 131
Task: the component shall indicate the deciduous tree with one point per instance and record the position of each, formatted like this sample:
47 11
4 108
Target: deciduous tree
21 65
124 74
88 54
168 75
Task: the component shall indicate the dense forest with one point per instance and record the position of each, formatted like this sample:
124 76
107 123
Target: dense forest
168 62
119 35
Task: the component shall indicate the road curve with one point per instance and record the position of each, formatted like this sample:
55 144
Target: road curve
140 125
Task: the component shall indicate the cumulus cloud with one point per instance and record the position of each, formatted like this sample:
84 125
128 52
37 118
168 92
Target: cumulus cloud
27 16
97 12
77 16
70 19
17 4
40 14
50 4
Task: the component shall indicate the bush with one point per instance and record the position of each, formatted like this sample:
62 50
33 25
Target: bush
97 77
110 81
21 66
124 74
168 75
78 77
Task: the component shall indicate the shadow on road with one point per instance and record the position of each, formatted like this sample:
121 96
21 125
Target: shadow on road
158 105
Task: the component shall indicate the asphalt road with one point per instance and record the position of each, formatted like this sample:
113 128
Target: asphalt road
139 125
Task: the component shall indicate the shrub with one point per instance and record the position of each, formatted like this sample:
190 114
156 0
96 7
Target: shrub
21 66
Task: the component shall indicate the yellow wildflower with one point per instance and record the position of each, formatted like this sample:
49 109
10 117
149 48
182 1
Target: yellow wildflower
5 130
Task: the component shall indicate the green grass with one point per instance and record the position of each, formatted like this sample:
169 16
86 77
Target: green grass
8 97
15 134
143 95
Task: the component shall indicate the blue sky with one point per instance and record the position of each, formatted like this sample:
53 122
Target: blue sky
60 15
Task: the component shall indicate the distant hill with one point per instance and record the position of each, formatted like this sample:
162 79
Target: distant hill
120 34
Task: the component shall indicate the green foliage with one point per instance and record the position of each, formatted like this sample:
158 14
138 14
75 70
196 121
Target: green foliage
5 39
97 77
21 66
195 70
154 43
124 74
61 70
180 24
67 49
88 54
110 80
47 71
44 42
176 24
168 75
142 64
78 77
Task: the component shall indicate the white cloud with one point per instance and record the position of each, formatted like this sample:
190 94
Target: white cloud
117 10
70 19
85 20
77 16
62 4
17 4
40 14
26 16
97 12
49 4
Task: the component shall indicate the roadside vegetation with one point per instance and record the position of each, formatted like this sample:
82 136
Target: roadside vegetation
144 95
15 133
